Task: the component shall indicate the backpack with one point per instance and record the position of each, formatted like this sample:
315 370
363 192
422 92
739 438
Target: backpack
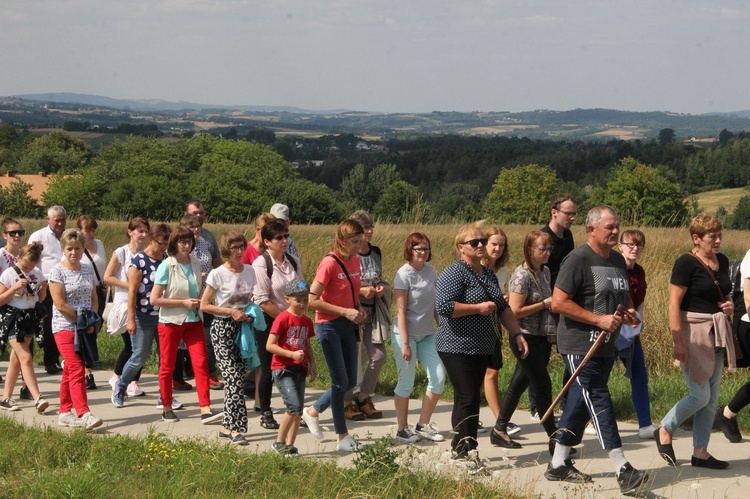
269 263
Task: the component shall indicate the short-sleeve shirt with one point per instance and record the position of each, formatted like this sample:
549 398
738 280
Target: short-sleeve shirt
420 286
213 248
371 268
233 289
124 257
202 251
561 246
294 334
473 334
7 260
162 278
337 290
78 285
536 286
596 284
272 289
147 267
98 259
701 295
22 298
250 254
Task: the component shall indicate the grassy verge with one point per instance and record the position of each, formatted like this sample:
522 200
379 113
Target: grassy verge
37 462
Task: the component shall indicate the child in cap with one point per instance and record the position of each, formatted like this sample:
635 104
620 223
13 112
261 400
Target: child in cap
291 362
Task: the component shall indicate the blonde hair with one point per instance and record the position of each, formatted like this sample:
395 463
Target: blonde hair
346 229
466 231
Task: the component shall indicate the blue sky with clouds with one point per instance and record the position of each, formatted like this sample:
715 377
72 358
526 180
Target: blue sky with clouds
385 55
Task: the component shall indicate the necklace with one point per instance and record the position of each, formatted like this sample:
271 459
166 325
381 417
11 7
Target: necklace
708 262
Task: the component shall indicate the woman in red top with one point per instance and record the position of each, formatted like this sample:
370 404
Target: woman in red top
333 296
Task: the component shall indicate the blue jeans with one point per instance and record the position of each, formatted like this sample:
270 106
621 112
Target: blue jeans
639 385
291 386
422 349
338 340
701 401
141 342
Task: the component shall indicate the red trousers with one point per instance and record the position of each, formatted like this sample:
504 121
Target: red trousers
169 340
73 382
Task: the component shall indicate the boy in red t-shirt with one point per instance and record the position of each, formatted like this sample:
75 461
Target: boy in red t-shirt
292 361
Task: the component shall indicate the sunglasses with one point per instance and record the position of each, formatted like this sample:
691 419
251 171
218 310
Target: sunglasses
280 237
476 242
16 233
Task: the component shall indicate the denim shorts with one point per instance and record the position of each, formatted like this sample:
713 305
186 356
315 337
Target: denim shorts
291 386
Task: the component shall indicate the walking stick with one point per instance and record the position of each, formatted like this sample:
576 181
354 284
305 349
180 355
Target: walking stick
602 336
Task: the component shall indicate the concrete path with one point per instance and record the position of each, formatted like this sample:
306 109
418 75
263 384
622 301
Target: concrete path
521 469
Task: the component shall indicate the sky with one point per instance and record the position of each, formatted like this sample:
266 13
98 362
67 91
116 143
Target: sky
682 56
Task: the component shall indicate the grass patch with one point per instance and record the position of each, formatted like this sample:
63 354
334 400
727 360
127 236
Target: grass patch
41 462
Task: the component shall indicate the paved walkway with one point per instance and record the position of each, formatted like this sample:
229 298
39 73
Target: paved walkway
521 469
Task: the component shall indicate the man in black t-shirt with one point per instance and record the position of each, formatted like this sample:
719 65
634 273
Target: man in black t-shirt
592 283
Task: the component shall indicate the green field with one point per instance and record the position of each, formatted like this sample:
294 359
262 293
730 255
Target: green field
710 201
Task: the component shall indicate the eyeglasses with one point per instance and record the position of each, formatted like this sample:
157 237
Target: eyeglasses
280 237
476 242
16 233
184 242
161 243
368 227
420 249
236 248
569 214
544 249
634 245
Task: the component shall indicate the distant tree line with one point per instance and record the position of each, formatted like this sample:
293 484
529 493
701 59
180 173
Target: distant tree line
425 179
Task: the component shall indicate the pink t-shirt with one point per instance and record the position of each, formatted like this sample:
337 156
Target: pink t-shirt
294 334
250 254
337 289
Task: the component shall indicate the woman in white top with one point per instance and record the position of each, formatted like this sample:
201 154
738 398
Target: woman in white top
116 276
21 288
496 260
93 254
229 289
414 338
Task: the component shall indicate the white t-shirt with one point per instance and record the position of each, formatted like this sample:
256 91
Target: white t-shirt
22 299
7 260
52 253
78 286
233 289
99 258
124 256
420 286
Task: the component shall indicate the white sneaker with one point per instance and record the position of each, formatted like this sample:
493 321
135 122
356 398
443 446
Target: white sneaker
535 416
429 432
88 422
313 424
647 432
66 419
134 390
348 444
590 430
175 405
512 428
113 381
406 436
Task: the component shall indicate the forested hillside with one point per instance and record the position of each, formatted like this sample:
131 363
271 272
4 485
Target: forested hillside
431 178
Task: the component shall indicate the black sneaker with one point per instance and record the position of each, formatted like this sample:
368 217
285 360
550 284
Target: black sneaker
25 393
169 417
566 473
90 383
268 422
728 426
631 480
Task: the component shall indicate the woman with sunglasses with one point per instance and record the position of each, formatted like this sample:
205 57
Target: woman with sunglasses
143 317
470 306
176 291
414 338
333 296
270 283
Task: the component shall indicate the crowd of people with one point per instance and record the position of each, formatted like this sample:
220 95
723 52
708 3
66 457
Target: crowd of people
236 309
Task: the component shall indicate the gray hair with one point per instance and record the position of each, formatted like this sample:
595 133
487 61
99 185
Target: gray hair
595 214
56 209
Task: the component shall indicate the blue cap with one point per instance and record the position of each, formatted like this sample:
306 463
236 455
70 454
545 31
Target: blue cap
296 288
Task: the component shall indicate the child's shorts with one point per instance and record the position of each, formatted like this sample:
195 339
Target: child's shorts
291 385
